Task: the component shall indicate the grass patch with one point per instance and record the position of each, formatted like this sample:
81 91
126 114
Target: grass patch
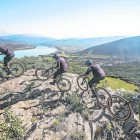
49 58
33 119
96 56
117 84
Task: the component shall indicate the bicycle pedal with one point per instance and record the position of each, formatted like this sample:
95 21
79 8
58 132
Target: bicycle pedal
94 96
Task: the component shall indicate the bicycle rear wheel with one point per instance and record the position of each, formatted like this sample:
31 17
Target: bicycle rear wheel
64 84
120 108
17 69
82 83
42 74
102 97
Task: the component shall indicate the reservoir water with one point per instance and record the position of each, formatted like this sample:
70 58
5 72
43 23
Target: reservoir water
39 50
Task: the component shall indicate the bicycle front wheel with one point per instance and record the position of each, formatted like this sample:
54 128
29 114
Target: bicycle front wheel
82 83
42 74
64 85
120 108
17 69
102 97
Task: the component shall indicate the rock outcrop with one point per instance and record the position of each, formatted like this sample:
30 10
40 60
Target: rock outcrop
47 114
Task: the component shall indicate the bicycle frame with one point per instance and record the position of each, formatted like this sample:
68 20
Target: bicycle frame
58 77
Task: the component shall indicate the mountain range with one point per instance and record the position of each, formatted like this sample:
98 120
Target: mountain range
15 45
117 47
123 49
68 42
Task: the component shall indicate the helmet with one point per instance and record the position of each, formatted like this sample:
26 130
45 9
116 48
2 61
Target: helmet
88 62
55 55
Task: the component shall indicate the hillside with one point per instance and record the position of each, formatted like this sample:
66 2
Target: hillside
15 45
28 39
123 49
69 42
49 114
83 43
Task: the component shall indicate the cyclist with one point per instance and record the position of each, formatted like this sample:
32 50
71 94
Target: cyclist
9 55
98 73
61 67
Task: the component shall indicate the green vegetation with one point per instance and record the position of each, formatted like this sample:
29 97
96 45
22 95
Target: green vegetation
11 128
78 136
58 123
55 125
117 84
116 74
49 58
96 56
126 71
74 101
33 119
86 114
102 130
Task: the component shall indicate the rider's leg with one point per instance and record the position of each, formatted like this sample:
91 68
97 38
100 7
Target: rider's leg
58 72
92 81
7 58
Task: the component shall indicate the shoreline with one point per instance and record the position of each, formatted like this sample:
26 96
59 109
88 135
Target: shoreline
20 53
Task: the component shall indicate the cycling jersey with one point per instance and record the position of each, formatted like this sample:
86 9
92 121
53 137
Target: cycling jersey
6 51
61 64
96 70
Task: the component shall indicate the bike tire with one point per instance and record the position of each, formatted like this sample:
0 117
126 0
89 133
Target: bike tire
119 100
89 101
101 94
16 68
42 74
62 82
82 83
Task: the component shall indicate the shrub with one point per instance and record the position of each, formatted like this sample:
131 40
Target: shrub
86 114
78 136
74 101
55 125
33 119
11 128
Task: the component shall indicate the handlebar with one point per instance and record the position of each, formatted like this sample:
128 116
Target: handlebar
134 99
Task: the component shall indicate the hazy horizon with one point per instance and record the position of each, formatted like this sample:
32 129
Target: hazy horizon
71 19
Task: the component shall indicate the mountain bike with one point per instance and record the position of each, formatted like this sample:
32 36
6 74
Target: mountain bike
102 95
120 108
16 69
43 74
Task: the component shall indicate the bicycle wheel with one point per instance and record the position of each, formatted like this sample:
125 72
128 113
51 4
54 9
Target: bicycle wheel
42 74
89 101
16 68
102 97
120 108
82 83
64 84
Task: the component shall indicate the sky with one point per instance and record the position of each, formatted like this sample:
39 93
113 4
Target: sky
71 18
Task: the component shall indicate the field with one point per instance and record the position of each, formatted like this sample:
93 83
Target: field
117 84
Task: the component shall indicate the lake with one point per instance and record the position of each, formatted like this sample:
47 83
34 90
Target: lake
39 50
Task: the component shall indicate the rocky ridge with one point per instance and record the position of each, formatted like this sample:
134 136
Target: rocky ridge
47 114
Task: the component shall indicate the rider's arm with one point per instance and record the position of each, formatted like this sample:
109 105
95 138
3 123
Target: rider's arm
58 64
88 71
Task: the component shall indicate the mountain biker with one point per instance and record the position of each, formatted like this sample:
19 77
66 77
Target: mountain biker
98 73
61 67
9 55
